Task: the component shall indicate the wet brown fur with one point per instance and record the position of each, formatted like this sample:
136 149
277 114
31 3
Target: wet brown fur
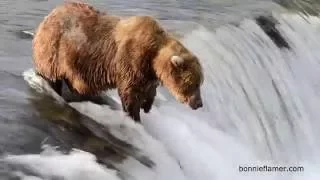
92 52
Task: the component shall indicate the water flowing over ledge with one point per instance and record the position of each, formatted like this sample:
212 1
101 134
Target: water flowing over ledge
260 108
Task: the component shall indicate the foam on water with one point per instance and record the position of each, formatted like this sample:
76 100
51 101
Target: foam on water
51 164
260 108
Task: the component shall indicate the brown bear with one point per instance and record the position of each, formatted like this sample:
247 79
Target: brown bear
92 51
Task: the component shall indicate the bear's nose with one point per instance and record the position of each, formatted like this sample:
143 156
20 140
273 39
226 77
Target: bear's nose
196 105
199 104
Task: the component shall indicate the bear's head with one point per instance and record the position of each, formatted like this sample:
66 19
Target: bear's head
180 71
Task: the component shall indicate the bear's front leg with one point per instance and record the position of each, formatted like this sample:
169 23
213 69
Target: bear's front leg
146 104
131 103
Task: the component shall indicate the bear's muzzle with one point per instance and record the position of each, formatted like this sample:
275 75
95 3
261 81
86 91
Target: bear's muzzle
195 100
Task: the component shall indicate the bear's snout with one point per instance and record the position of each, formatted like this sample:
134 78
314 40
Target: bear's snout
196 105
195 100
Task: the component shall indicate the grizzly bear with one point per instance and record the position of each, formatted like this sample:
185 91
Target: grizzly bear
92 51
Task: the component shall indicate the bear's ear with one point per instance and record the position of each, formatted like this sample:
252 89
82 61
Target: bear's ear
177 61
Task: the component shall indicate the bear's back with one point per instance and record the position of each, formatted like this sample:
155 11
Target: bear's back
144 29
80 9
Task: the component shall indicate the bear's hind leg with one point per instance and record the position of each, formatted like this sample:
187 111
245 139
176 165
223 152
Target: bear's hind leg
56 85
83 97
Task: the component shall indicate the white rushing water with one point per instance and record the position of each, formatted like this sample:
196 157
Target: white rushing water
260 108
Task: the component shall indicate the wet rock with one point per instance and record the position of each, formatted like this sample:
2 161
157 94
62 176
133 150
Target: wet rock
268 25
